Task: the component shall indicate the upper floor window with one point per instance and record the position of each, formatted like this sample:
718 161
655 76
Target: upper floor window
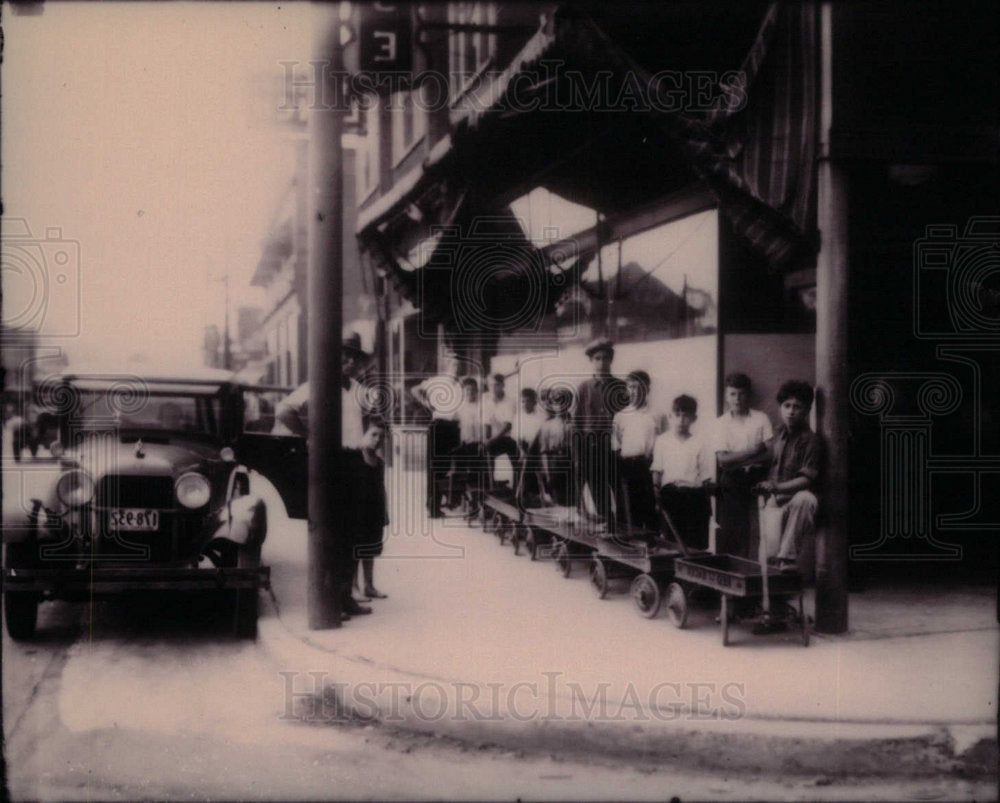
368 152
409 123
470 50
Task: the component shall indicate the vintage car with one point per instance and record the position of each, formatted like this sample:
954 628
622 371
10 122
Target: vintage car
150 492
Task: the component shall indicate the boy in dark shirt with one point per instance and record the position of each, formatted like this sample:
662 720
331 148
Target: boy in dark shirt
796 462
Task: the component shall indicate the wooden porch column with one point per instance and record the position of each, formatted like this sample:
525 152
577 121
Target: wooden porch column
832 378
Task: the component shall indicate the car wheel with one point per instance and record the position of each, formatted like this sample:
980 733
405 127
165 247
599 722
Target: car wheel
20 614
20 608
245 610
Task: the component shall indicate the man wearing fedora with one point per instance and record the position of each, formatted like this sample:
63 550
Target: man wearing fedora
597 400
362 480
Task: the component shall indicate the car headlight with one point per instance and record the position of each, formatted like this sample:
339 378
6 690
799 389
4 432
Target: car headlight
75 488
192 490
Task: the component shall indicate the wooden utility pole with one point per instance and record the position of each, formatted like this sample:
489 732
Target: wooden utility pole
325 282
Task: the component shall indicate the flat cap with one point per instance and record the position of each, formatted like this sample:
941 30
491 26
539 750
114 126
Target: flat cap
601 344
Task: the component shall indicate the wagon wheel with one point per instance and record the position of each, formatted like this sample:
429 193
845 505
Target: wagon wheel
516 538
724 617
646 595
677 609
561 555
599 577
531 544
805 622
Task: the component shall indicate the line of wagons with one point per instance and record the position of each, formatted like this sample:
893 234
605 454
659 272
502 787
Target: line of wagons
659 570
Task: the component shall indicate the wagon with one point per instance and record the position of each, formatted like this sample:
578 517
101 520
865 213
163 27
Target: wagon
738 578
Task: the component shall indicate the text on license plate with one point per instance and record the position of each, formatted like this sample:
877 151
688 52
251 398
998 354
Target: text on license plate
133 518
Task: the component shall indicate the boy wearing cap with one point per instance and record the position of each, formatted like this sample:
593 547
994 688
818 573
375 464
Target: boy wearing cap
597 400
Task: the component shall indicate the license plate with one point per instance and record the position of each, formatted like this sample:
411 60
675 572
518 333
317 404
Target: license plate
133 519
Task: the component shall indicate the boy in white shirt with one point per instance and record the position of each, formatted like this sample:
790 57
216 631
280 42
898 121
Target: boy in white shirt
529 422
680 470
499 414
633 433
739 448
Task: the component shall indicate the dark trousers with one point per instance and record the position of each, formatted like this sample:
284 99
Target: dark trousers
689 510
636 493
560 474
442 439
736 511
469 465
504 445
596 467
341 557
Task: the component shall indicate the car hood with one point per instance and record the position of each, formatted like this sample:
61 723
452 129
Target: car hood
144 458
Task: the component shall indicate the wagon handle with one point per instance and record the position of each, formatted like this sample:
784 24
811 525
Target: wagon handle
762 557
674 531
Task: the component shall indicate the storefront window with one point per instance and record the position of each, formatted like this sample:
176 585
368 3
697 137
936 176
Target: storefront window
660 283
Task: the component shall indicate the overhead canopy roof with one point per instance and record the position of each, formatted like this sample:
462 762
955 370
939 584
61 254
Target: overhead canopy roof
616 107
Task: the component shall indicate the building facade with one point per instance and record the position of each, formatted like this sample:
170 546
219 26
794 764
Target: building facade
738 188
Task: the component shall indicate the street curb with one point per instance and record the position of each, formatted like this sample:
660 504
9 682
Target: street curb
324 687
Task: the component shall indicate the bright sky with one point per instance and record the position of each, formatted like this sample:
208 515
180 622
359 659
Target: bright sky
146 133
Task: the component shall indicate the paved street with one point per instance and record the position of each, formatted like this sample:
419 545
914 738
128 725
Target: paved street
152 703
154 699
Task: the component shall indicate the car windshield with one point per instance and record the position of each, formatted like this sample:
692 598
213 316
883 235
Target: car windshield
168 413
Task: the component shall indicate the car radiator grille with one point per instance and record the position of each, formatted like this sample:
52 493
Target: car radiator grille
173 541
141 492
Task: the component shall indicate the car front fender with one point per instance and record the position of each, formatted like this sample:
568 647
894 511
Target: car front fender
20 524
246 522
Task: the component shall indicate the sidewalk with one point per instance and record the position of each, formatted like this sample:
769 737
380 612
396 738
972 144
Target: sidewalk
481 645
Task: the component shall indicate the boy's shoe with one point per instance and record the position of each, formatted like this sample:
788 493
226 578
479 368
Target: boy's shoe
355 609
373 593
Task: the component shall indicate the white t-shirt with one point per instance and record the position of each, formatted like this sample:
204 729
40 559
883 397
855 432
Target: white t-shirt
352 429
351 425
681 461
736 433
528 425
470 422
634 431
497 414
